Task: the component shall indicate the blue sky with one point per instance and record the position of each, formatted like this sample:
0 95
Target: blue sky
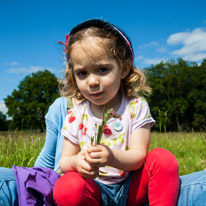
159 30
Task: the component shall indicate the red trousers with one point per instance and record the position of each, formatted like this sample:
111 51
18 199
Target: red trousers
157 182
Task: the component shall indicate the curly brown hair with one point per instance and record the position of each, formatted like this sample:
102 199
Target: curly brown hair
131 86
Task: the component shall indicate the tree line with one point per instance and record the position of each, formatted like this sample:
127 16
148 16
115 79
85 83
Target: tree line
28 104
177 101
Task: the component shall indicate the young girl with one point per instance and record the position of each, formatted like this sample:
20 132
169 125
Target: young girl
100 73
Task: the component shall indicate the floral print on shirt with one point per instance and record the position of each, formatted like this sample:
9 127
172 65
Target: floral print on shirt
79 127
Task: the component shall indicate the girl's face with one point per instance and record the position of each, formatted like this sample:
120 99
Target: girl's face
97 74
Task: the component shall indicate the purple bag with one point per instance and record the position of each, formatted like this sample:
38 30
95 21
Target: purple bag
35 185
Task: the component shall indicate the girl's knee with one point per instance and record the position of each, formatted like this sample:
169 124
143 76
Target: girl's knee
72 189
69 189
162 158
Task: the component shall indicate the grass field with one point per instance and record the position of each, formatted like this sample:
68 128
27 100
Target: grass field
22 148
189 149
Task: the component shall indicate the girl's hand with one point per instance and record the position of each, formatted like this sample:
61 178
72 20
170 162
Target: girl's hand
99 155
85 169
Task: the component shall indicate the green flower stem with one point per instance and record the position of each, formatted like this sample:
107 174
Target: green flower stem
100 129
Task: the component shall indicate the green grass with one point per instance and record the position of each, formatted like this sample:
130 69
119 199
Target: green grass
189 149
22 148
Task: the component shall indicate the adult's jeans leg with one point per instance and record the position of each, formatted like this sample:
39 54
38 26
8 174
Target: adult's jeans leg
8 187
193 189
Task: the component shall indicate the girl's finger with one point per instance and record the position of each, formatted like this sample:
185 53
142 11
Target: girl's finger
94 148
83 164
95 155
89 174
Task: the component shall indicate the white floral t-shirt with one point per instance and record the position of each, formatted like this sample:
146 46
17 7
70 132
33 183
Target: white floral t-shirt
79 127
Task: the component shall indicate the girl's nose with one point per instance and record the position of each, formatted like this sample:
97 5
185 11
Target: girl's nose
93 80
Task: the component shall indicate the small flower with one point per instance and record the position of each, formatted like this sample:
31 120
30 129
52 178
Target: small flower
81 126
85 131
107 130
112 112
64 127
69 112
71 119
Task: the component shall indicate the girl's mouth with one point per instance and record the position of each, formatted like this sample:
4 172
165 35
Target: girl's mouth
96 94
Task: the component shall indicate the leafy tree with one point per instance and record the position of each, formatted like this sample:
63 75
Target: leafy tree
28 105
178 91
197 97
3 122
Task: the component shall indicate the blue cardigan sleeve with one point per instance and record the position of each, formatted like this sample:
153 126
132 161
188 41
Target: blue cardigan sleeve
53 143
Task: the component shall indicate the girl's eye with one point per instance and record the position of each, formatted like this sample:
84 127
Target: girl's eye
81 74
103 70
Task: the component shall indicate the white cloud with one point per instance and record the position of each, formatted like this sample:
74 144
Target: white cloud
17 70
143 61
14 63
151 44
153 60
3 108
194 44
139 58
195 57
162 49
29 70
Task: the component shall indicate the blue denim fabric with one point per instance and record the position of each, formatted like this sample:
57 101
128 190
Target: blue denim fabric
115 195
8 187
193 189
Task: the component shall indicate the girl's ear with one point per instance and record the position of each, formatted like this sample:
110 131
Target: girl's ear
125 69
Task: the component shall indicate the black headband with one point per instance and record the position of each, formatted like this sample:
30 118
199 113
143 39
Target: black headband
104 25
